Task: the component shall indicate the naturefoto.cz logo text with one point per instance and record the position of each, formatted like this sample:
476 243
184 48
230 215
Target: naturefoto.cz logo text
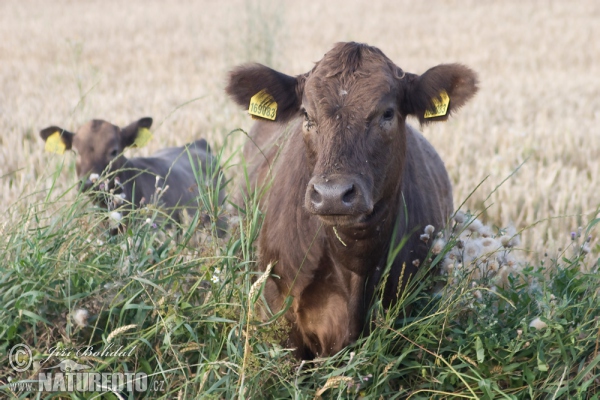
70 376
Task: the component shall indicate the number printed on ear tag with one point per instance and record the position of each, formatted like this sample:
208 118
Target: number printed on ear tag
143 137
54 144
263 105
441 107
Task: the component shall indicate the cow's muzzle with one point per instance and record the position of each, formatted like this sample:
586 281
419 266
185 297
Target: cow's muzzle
337 195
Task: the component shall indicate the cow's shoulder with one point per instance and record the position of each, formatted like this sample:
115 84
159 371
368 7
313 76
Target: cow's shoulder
426 184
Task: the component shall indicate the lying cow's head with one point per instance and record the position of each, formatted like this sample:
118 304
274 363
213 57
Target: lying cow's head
99 145
353 105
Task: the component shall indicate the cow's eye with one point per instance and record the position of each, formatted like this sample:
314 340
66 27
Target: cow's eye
308 123
305 115
388 114
114 153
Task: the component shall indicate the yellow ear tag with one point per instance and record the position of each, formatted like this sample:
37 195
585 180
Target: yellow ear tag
54 144
441 107
263 105
143 137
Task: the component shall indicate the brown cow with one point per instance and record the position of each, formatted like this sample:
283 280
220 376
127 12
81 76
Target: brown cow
100 147
347 170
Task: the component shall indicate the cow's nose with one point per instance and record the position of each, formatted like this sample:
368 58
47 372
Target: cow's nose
337 196
325 196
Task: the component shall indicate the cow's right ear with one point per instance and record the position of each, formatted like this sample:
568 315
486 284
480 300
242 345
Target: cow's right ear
57 139
247 81
439 92
137 133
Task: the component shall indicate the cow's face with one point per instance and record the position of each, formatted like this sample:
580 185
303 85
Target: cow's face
353 106
99 146
353 129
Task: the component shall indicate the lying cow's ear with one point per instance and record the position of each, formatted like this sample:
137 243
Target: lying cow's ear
265 92
137 133
440 91
57 139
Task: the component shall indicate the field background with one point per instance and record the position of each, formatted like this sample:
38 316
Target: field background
65 62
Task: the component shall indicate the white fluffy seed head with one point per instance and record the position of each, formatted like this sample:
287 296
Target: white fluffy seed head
538 324
447 266
472 249
459 217
429 229
514 241
493 266
438 246
80 316
489 245
116 216
488 242
475 226
486 231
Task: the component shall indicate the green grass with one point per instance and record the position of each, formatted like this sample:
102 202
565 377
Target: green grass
188 298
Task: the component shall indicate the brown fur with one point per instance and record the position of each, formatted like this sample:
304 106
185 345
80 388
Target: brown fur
100 147
340 154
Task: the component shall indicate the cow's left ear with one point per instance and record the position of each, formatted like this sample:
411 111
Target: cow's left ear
277 96
137 133
57 139
439 92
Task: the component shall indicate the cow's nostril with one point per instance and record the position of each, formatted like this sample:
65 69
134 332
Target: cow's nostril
315 195
349 195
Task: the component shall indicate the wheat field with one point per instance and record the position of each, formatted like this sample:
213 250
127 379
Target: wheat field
536 116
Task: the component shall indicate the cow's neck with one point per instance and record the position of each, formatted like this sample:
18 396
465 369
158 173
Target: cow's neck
359 250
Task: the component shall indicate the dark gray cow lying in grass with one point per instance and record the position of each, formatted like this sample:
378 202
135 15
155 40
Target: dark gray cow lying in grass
171 177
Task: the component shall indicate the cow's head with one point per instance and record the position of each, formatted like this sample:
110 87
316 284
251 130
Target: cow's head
99 145
353 105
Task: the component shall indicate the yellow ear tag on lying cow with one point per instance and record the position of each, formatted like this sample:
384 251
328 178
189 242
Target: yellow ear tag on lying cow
263 105
54 144
441 107
143 137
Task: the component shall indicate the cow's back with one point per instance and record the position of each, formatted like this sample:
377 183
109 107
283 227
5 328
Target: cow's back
177 168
